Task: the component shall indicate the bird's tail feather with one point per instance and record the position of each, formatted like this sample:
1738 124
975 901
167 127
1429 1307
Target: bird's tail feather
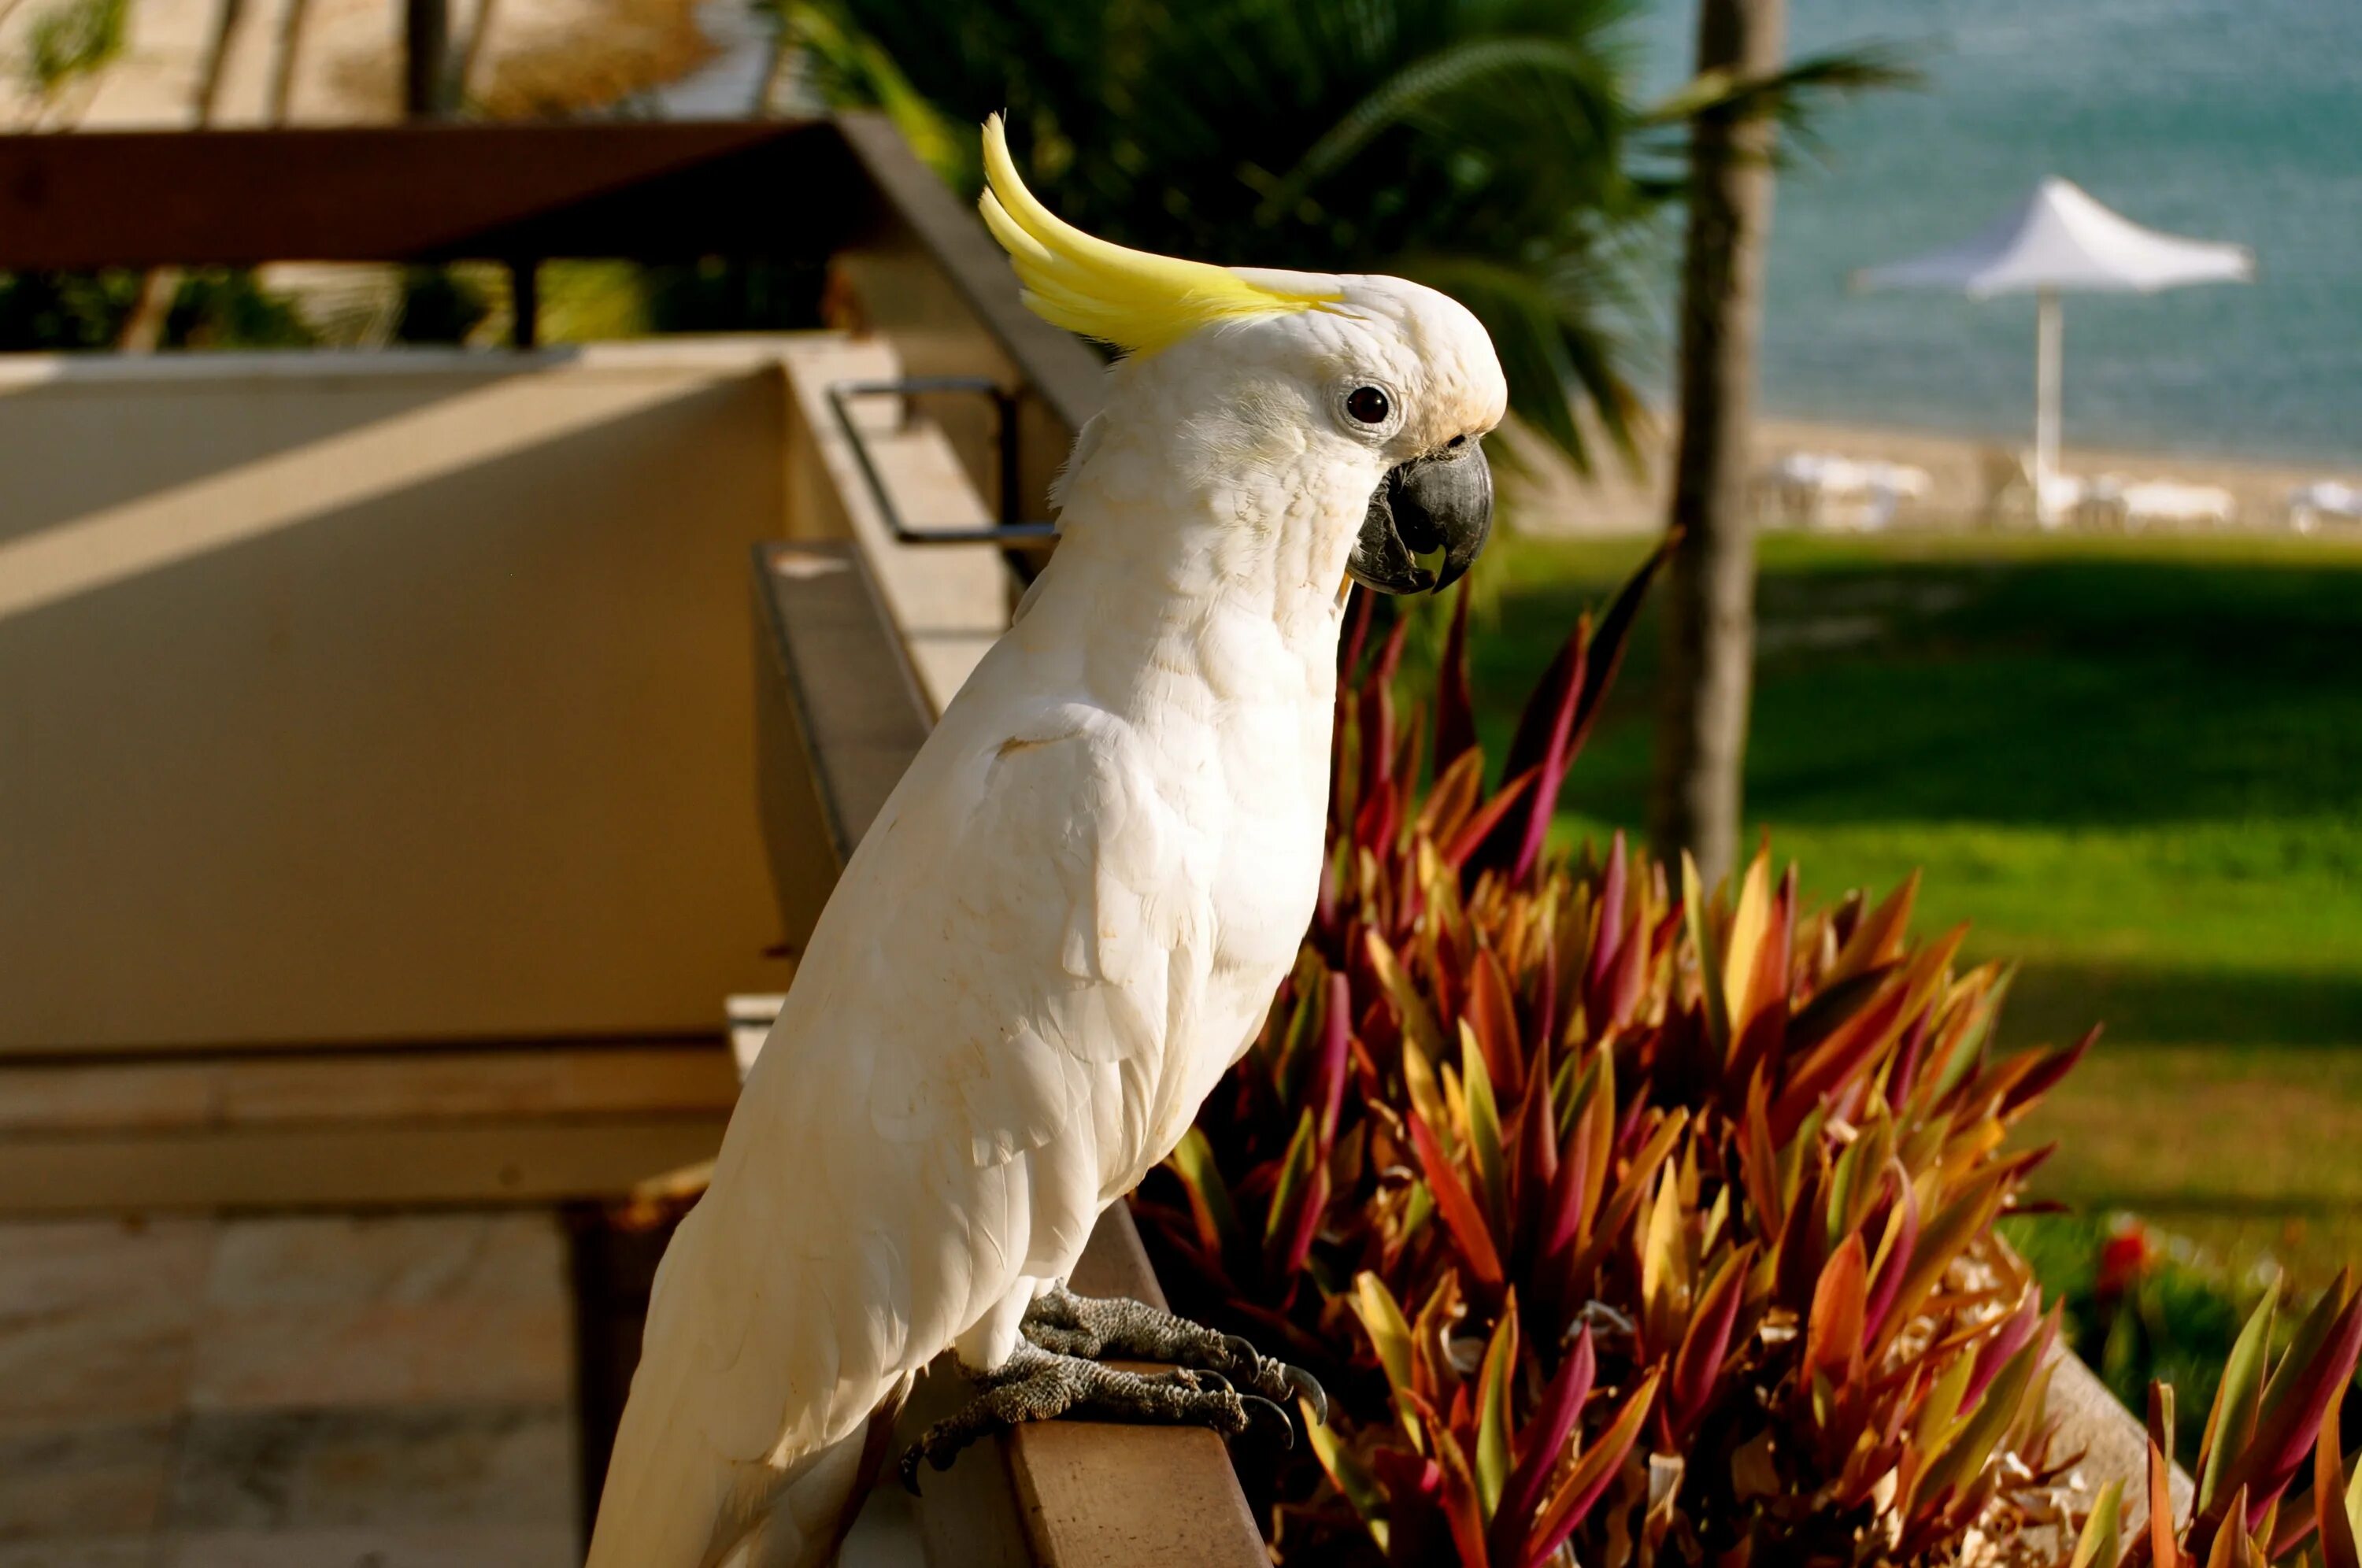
670 1502
666 1497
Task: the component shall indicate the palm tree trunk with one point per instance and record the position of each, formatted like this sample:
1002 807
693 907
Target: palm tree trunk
1710 596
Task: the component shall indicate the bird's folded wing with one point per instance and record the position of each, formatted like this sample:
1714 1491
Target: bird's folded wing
991 975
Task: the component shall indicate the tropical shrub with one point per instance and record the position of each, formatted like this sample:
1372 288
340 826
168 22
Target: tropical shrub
1628 1222
2275 1425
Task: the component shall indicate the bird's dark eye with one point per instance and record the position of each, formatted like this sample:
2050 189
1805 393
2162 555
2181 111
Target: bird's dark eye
1368 405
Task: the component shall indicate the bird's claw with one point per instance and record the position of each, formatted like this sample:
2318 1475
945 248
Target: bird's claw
1278 1381
1309 1391
933 1450
1256 1402
1100 1328
1037 1384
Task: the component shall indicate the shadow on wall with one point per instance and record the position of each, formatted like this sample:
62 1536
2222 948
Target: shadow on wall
381 699
110 430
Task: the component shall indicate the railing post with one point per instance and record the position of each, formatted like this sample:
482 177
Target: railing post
426 52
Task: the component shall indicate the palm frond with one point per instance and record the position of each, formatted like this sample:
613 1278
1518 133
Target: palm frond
1476 64
1791 94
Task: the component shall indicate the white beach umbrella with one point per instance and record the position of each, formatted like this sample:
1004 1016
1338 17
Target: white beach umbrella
2061 238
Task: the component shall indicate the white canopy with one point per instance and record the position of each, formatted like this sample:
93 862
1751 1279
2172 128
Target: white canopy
2061 238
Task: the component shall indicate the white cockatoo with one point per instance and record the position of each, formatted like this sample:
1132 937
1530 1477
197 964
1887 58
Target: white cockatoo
1072 915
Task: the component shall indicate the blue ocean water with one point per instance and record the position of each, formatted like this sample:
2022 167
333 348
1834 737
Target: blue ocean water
2223 119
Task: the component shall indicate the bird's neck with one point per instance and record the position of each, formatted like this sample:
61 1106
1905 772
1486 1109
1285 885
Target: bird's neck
1237 583
1175 615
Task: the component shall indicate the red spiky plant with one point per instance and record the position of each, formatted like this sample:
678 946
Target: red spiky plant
1628 1222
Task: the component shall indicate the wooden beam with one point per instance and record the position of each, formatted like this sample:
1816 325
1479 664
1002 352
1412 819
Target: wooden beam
639 188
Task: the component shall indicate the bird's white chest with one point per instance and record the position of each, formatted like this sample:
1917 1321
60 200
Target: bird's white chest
1253 808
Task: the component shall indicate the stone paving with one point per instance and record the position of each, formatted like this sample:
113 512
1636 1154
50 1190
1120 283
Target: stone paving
315 1392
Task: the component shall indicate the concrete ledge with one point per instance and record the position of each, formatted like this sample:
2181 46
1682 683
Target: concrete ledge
351 1129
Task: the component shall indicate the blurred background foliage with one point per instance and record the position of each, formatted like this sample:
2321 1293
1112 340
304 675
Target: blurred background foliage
1498 149
216 307
1502 151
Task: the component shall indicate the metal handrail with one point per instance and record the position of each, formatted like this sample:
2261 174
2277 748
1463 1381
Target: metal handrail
1009 530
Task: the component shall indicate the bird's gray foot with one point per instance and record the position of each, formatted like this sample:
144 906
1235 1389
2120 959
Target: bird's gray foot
1035 1385
1100 1328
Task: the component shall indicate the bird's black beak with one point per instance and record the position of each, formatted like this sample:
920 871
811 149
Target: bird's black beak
1440 502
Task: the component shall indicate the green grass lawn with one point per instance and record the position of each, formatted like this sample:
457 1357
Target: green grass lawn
2134 765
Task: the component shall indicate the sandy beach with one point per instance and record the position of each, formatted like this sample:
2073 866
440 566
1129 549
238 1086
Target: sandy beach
1555 500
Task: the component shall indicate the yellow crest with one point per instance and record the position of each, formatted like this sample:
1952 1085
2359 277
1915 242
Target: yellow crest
1137 301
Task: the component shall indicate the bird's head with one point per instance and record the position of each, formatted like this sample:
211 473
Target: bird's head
1333 388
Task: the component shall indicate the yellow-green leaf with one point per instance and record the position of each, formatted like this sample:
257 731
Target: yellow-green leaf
1493 1409
2232 1423
2231 1539
2354 1501
1941 1408
1694 915
1427 1098
1485 1129
1950 1060
1353 1477
1664 1269
1418 1022
1601 1108
1295 1170
2098 1546
1747 929
1209 1196
1383 1320
1964 1457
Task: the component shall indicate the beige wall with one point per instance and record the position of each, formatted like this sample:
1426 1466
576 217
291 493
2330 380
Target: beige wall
395 697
